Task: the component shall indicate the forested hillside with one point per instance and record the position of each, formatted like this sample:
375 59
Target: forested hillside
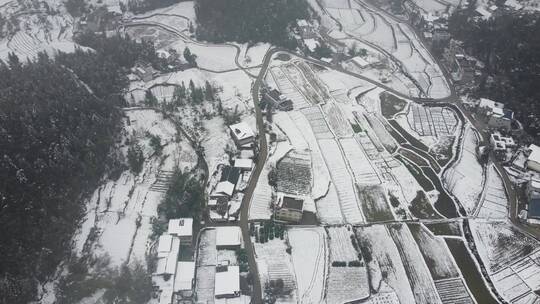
249 20
509 46
56 139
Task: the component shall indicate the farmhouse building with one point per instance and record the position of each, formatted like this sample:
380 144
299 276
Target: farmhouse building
242 134
184 279
533 161
277 100
229 237
498 116
243 164
181 228
227 282
289 209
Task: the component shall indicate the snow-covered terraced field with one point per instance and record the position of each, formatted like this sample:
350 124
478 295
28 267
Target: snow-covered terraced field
465 178
321 176
494 202
317 122
435 252
431 121
382 134
337 121
417 271
120 211
499 244
287 88
345 283
453 291
310 257
342 180
260 205
395 39
274 263
359 163
386 259
512 260
298 79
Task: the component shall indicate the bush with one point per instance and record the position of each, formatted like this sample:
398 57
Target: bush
339 264
355 264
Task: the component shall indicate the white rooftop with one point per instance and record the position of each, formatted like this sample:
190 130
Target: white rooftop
243 163
225 187
360 61
241 130
482 11
535 153
165 242
228 282
488 103
228 236
497 111
185 272
181 227
311 44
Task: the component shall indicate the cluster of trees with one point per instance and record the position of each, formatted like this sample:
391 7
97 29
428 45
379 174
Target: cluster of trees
126 284
242 258
59 122
55 142
344 264
249 20
268 231
322 50
184 198
76 7
508 45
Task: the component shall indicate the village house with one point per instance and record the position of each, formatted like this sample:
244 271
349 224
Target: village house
242 135
533 161
145 72
498 116
166 268
243 164
289 209
227 282
228 237
277 100
501 143
184 279
181 228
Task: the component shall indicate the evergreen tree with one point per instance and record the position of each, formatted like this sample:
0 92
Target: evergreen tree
135 158
208 91
149 99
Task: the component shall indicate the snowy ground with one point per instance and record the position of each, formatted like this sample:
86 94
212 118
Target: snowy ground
117 206
386 259
310 262
465 179
391 39
273 263
511 259
348 283
494 201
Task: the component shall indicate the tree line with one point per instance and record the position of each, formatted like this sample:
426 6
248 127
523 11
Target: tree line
249 20
508 44
59 121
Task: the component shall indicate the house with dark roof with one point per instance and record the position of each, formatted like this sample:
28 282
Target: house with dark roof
289 209
277 100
